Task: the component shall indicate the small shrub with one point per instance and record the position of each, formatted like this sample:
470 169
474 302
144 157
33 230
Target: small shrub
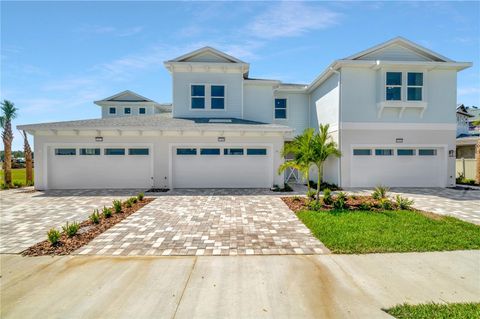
386 204
107 212
140 196
339 203
403 202
29 183
315 205
17 184
296 198
53 236
95 217
365 206
327 196
380 192
354 197
342 195
71 229
133 200
128 203
311 194
117 206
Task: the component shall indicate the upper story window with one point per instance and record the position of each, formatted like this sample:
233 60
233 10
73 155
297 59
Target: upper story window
127 110
218 97
112 110
414 86
141 110
198 96
393 88
280 108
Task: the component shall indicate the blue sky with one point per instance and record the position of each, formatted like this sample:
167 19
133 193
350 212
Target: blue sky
58 57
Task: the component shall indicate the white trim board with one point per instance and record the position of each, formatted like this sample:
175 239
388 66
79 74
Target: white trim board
398 126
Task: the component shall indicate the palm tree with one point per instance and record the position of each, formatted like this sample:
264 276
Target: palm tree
301 149
9 112
323 147
28 160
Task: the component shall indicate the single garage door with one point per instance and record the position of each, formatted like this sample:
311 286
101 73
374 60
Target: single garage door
222 167
94 167
401 167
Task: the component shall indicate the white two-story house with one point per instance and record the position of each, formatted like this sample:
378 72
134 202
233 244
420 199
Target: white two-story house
390 108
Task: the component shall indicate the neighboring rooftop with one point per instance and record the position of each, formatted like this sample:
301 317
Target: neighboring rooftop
157 122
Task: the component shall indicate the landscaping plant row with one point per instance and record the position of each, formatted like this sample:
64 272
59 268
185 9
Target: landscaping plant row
378 201
75 235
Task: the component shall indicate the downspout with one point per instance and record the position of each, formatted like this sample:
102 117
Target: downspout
339 123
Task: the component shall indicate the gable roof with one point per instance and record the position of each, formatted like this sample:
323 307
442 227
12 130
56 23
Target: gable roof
433 56
126 96
223 57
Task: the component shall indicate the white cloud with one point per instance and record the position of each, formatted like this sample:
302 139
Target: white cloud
469 90
289 19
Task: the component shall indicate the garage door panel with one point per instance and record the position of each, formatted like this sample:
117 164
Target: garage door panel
122 171
221 171
399 171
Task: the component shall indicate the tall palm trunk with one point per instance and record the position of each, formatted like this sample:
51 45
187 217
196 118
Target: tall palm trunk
477 158
7 143
319 179
28 160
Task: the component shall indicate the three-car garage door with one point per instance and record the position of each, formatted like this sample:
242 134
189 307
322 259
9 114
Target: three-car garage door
221 167
95 167
401 167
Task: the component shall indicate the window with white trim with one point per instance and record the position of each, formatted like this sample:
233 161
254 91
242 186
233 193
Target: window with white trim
138 151
427 152
89 151
393 86
362 152
186 151
414 86
217 94
112 110
405 152
65 151
114 151
141 110
280 109
198 96
383 152
127 110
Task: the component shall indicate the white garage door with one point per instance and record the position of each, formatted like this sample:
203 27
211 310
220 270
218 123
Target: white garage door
105 167
221 167
401 167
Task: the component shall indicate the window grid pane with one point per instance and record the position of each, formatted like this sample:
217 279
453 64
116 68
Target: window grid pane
198 90
383 152
233 151
141 110
112 110
138 151
89 151
186 151
394 78
427 152
114 151
198 103
414 94
406 152
127 110
394 93
65 151
218 103
217 90
256 151
209 151
280 114
415 79
362 152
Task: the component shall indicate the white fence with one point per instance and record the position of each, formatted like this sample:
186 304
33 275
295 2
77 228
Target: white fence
466 167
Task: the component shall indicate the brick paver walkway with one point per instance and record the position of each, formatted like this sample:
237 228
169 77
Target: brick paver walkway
26 215
209 222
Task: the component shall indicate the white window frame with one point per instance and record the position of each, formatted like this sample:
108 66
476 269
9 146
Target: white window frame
386 86
286 108
127 107
142 107
198 96
218 97
414 86
114 110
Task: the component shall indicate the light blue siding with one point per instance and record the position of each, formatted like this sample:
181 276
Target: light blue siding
324 102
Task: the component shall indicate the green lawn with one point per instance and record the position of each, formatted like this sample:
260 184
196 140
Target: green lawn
436 311
361 232
18 174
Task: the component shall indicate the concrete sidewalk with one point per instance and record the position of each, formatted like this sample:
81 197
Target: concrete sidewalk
322 286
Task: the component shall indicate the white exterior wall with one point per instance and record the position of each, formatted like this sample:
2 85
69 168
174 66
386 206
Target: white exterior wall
161 150
182 82
375 135
325 103
363 87
120 109
258 102
297 111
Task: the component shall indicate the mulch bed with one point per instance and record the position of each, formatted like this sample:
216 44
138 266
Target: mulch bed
87 232
298 203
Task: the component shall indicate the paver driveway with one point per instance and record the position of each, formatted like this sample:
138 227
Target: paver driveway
26 215
209 222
